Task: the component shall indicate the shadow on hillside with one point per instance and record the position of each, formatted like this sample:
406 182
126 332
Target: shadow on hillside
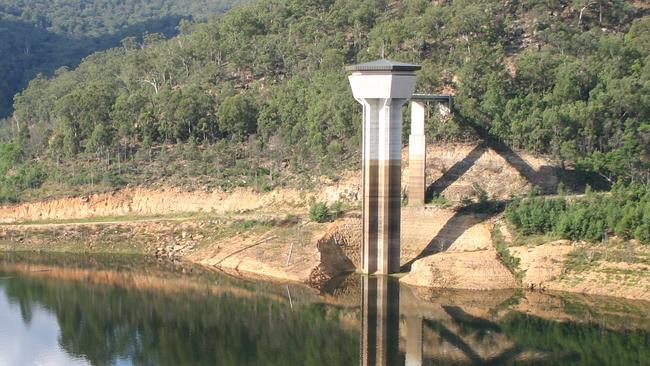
455 172
573 180
476 213
456 226
28 50
534 177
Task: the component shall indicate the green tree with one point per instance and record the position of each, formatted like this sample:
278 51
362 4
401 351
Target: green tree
237 116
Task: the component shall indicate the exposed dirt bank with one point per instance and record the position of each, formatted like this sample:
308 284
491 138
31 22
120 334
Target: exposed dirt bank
618 268
278 248
440 249
480 270
268 234
453 170
147 202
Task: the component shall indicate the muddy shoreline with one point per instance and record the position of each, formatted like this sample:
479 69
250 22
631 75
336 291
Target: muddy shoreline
261 246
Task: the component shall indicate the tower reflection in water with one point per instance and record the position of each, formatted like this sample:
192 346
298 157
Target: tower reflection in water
460 337
466 328
380 333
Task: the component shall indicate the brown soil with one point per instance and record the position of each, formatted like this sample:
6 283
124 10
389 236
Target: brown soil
620 269
306 253
146 202
479 270
278 249
543 263
453 170
608 279
430 230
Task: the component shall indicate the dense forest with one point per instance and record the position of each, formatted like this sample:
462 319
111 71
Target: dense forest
39 36
570 79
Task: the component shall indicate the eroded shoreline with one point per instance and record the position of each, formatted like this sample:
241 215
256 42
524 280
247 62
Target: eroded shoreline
285 248
269 234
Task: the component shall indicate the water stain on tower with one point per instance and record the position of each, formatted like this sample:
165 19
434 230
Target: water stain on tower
382 87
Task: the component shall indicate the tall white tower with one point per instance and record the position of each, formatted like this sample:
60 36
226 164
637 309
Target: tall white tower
382 87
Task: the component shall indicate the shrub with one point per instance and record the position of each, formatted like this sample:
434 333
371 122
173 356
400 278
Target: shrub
319 212
337 209
625 213
535 215
31 176
8 193
112 178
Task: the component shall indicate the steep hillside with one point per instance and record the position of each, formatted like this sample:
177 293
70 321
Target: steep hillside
41 36
262 90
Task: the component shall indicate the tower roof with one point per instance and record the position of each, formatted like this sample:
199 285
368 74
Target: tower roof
383 65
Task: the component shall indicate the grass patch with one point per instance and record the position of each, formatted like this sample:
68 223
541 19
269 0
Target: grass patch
533 240
439 200
586 258
120 218
247 225
583 259
252 226
623 256
623 271
511 262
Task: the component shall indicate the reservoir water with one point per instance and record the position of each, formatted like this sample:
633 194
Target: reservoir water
81 310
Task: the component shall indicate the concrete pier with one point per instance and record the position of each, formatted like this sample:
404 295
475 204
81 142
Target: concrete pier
380 320
417 155
382 87
418 145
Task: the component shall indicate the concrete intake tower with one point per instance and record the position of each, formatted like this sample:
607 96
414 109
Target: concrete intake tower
382 87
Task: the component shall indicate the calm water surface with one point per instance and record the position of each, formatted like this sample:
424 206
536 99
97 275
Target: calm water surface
77 310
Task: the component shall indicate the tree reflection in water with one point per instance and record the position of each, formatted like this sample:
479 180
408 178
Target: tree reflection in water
139 312
445 332
106 323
